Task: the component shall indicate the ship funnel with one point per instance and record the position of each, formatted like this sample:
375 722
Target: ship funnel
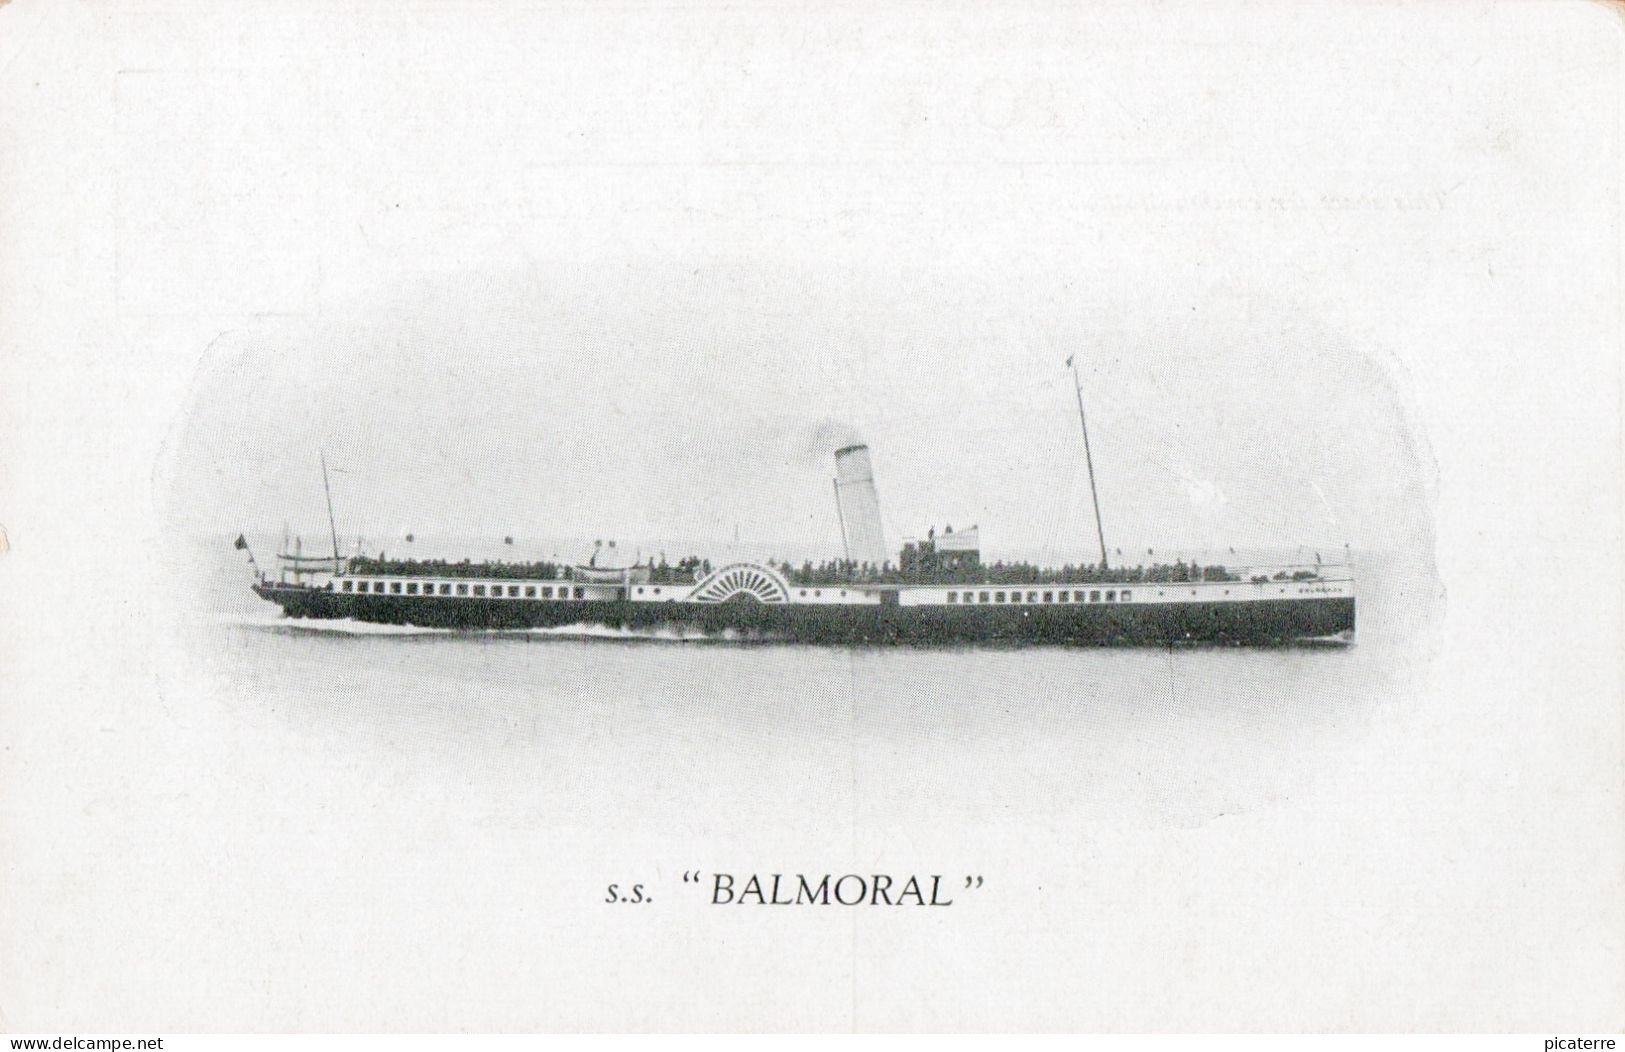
859 506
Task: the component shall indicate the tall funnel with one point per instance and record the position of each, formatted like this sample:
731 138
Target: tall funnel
859 506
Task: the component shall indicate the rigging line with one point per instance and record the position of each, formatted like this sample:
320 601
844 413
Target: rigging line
1055 535
331 523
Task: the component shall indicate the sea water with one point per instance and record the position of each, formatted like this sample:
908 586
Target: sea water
1175 732
437 817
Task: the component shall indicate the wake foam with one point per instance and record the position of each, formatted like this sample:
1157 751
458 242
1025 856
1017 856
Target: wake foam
343 626
665 633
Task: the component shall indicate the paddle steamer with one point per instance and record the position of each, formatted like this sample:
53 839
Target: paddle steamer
937 591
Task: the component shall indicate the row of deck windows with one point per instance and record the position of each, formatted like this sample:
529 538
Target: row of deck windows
1093 596
495 591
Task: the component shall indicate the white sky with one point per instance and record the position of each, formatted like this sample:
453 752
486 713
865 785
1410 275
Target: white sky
651 404
510 292
511 298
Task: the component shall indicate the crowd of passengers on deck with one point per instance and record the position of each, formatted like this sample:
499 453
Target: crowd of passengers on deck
692 569
686 571
847 571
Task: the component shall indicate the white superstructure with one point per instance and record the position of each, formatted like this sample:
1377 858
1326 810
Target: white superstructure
764 584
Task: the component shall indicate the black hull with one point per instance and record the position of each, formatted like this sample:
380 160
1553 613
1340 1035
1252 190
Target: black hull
1262 622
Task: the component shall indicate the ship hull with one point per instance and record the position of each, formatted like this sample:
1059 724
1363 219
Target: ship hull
1258 622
